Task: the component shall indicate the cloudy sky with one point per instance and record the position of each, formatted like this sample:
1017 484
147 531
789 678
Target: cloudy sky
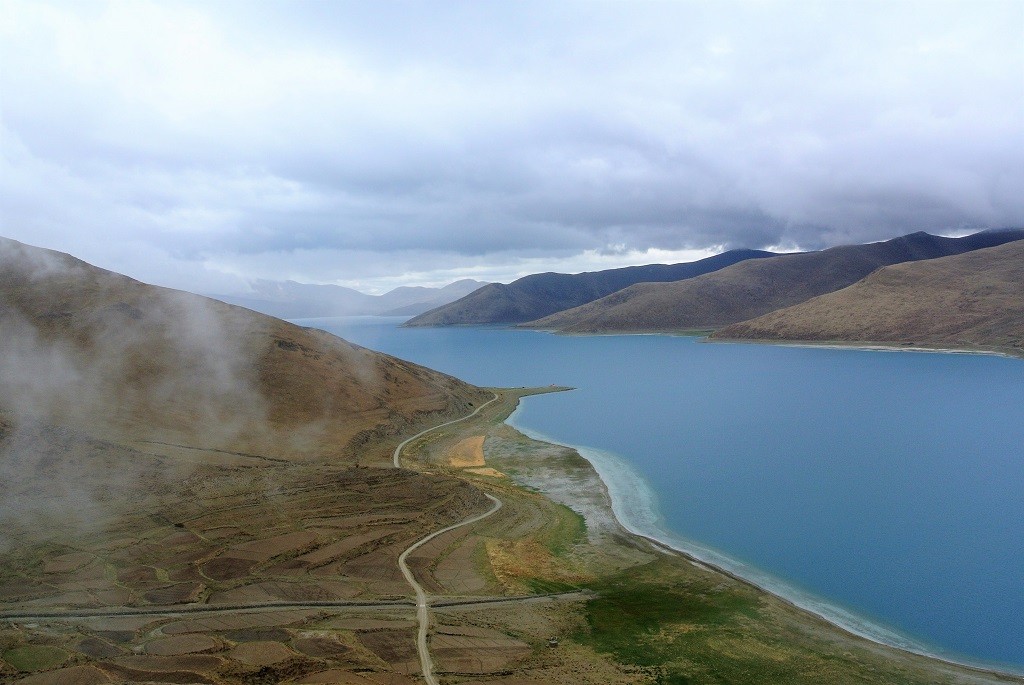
198 145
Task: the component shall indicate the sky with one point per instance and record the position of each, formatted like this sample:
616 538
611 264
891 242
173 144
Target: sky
372 145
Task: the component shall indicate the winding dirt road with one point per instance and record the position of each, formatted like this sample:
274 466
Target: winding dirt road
397 457
422 599
422 609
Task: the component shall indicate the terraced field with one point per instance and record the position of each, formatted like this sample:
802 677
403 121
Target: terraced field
289 573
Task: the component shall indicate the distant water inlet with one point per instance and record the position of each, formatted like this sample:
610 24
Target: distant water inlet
882 489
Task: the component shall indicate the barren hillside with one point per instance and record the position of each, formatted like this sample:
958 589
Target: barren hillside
755 287
538 295
969 300
129 362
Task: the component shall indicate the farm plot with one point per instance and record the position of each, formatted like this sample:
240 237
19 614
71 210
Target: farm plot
261 653
247 620
473 650
396 648
339 677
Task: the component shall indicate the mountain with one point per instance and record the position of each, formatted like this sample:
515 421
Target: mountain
291 300
97 352
532 297
755 287
971 300
409 301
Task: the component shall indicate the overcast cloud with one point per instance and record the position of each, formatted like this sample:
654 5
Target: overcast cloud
382 144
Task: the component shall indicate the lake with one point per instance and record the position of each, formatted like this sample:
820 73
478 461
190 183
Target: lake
883 489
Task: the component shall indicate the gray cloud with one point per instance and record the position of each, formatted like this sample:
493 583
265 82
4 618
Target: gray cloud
199 146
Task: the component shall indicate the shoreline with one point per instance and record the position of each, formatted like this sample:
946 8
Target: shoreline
634 507
704 334
867 346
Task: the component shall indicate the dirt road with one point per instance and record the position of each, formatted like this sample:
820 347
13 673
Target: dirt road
397 457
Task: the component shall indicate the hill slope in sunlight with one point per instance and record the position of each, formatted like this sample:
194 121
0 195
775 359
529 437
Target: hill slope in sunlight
973 300
755 287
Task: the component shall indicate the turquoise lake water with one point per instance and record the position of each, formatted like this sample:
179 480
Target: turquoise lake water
889 483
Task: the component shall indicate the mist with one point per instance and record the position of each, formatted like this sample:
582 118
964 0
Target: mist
88 390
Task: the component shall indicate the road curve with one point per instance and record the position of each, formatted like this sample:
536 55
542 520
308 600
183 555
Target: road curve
422 611
397 456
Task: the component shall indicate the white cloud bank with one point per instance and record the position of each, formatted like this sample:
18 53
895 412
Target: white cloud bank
198 145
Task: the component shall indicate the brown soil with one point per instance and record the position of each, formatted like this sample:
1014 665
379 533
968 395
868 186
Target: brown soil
181 644
467 452
227 568
261 653
321 647
263 550
135 675
476 650
97 648
175 594
75 675
340 677
392 646
239 621
137 574
68 562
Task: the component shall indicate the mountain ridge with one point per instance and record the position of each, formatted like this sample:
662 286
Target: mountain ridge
973 300
293 300
750 289
536 295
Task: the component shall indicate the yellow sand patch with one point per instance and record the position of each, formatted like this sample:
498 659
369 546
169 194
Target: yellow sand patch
468 452
512 560
487 471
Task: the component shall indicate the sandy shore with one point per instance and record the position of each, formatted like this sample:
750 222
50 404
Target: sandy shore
635 509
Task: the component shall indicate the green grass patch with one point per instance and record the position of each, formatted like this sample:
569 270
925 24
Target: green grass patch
643 622
565 530
35 657
652 618
682 627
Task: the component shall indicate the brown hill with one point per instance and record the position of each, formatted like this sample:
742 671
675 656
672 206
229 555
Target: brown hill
537 295
972 300
755 287
168 371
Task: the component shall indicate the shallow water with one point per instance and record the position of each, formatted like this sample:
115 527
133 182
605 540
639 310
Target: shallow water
886 482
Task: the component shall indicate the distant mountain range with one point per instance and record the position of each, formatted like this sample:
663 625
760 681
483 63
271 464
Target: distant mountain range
291 300
971 300
538 295
753 288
